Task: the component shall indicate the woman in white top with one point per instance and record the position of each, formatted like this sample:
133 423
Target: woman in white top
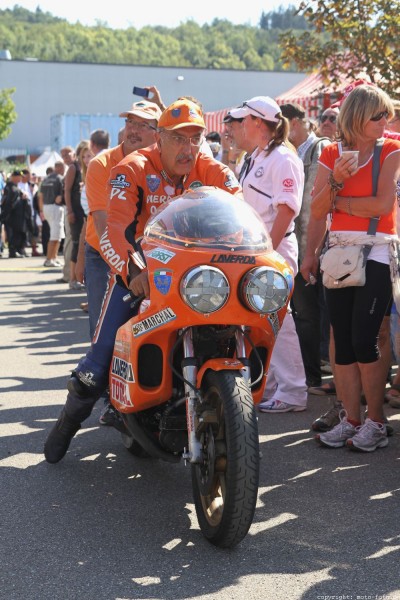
273 185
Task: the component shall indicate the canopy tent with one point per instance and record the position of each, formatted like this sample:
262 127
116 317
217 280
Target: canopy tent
47 159
214 119
311 93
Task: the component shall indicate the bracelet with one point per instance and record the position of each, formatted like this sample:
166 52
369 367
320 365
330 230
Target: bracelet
348 206
335 185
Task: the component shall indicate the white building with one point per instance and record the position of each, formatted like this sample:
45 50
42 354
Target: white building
46 89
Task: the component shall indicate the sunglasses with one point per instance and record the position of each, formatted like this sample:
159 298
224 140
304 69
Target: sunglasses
331 118
255 110
380 115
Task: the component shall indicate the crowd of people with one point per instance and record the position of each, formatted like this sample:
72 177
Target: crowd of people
319 187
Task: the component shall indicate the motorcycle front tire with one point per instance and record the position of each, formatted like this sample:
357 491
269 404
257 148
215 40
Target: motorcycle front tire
225 485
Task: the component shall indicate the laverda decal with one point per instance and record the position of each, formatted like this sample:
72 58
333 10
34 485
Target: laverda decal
120 392
232 258
157 320
161 255
122 369
109 253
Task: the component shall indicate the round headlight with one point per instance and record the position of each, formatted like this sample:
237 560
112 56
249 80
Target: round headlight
264 290
205 289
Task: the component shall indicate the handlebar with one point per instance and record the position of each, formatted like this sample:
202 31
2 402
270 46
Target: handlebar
136 300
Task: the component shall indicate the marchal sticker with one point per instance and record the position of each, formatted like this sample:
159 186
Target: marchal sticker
161 254
163 280
153 322
259 172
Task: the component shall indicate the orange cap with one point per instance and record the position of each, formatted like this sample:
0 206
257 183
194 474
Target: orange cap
181 113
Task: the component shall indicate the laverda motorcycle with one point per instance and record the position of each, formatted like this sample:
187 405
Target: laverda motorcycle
188 370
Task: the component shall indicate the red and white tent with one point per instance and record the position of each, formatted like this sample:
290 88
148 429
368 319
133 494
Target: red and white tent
214 119
311 93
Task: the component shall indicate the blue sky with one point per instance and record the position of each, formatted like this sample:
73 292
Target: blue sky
169 13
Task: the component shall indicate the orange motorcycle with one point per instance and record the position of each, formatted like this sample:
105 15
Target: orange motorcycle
188 370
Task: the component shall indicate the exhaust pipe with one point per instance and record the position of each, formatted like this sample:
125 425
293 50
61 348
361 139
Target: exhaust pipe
147 442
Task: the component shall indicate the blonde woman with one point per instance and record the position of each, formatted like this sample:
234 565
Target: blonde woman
344 189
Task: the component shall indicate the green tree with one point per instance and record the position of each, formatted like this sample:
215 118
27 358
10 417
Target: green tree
349 37
8 116
283 18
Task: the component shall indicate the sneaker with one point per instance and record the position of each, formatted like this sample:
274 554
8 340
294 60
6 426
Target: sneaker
329 419
76 285
62 280
389 428
338 435
60 438
277 406
369 437
49 262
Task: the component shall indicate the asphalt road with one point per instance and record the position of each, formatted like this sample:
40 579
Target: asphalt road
103 525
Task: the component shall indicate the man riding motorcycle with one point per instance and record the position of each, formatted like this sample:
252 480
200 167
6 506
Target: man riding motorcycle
140 183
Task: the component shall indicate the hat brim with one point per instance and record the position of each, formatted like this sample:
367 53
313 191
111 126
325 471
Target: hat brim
139 113
182 125
240 113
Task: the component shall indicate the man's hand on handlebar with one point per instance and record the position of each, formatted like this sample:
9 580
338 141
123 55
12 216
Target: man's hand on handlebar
139 285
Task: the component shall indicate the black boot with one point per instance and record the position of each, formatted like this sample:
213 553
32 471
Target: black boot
60 438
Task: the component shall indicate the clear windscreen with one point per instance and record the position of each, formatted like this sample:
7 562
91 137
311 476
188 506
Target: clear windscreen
209 217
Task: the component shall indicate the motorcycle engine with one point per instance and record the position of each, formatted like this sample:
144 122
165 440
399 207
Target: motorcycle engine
173 433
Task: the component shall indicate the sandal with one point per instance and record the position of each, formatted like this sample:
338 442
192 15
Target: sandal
326 389
393 398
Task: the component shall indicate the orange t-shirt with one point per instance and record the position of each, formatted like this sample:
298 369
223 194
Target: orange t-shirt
97 190
360 185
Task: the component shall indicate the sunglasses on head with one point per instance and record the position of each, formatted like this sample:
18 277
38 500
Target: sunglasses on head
254 109
378 117
331 118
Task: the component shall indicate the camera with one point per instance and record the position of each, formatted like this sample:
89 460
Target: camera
138 91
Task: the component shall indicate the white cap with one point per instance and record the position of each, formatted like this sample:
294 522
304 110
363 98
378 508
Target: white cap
263 107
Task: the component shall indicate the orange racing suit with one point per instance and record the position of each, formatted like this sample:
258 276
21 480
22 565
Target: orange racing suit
139 185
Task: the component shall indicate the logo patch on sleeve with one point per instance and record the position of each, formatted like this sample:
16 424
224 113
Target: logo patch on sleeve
120 182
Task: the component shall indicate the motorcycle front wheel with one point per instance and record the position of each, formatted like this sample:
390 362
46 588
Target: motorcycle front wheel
225 484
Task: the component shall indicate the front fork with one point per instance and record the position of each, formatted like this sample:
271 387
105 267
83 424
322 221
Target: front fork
194 454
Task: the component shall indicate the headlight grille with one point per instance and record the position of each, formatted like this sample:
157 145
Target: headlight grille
264 290
205 289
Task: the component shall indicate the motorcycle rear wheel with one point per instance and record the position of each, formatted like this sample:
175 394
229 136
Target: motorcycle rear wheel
225 485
